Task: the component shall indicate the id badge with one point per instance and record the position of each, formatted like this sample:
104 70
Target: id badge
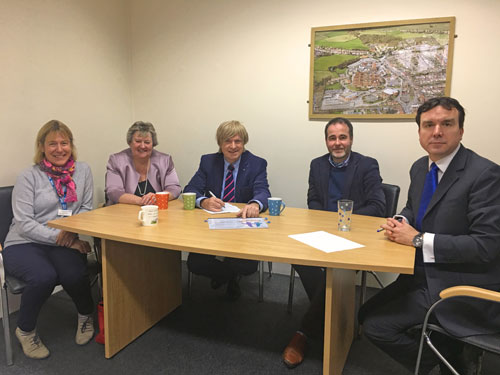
62 212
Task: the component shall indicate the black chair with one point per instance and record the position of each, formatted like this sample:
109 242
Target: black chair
489 342
391 193
16 286
12 284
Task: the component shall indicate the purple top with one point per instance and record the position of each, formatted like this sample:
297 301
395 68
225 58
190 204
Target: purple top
121 176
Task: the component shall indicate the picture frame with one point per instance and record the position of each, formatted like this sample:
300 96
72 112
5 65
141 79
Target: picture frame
380 70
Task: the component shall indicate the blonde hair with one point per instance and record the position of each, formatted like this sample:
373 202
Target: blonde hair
229 129
56 127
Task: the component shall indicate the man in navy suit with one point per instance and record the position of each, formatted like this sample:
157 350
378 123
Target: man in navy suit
231 175
455 228
339 174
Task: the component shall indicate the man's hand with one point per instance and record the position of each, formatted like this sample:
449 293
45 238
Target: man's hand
250 210
65 239
212 204
82 246
402 233
149 198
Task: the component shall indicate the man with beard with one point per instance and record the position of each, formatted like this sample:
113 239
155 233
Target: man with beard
339 174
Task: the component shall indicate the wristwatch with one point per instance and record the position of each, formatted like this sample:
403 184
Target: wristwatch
418 240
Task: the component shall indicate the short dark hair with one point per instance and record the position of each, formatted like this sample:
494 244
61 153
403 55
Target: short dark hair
445 102
339 120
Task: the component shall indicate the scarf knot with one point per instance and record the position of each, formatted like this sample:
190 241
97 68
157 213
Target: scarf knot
62 177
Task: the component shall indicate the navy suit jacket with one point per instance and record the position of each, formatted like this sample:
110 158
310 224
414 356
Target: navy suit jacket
363 185
464 214
251 182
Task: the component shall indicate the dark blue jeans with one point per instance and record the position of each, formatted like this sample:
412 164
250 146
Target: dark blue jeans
42 267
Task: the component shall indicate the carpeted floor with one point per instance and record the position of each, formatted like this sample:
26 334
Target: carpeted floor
206 335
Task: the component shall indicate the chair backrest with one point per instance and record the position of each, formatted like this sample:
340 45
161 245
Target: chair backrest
391 199
5 211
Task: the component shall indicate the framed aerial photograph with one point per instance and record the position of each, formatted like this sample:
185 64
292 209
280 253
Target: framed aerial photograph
379 70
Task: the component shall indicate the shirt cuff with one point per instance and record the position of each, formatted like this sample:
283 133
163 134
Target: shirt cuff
428 248
258 202
198 201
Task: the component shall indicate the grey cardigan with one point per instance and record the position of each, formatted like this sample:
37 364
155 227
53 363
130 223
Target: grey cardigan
35 202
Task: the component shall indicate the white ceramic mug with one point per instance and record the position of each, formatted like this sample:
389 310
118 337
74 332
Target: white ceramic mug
148 215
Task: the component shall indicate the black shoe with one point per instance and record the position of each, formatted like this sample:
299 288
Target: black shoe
233 290
468 363
472 360
215 284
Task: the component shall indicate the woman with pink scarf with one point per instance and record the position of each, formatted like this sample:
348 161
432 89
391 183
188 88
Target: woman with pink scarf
55 186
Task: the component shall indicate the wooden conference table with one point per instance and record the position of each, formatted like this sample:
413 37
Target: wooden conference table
142 265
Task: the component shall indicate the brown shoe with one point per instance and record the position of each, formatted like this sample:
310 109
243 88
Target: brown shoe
293 355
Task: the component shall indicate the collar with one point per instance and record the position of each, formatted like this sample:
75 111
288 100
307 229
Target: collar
342 164
236 164
444 163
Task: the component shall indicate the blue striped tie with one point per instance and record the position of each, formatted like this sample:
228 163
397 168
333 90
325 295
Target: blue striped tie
229 185
430 185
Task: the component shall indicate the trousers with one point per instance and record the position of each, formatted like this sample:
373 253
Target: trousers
388 319
42 267
313 279
220 271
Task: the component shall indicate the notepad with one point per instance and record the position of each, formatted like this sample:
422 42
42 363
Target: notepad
228 208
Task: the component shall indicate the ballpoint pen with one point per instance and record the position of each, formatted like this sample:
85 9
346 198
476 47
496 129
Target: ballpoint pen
213 195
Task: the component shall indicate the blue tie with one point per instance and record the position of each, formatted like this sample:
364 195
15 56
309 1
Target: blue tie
229 185
431 183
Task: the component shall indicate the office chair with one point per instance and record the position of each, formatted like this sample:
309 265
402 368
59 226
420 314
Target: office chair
12 284
488 342
261 279
391 193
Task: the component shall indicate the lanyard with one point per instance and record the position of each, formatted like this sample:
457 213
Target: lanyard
62 200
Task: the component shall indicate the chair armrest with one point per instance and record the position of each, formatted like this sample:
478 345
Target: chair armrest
470 291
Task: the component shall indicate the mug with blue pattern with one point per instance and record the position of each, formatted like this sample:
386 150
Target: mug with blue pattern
276 206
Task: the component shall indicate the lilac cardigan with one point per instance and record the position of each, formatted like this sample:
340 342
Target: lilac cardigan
121 176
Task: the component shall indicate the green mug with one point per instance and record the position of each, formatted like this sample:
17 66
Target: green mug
189 200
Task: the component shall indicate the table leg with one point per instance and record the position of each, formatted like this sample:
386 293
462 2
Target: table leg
141 285
339 319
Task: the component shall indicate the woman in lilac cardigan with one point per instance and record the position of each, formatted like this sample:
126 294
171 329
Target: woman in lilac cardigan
135 174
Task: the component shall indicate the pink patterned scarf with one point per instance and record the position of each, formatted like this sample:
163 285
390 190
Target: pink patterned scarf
62 176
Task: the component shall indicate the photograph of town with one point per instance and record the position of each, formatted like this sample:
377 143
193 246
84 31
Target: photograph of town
381 70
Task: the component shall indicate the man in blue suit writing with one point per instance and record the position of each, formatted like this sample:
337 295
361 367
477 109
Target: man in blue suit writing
232 174
339 174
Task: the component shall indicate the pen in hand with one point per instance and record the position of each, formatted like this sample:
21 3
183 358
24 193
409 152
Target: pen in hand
380 230
213 195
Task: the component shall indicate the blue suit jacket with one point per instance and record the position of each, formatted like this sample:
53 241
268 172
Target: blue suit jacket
251 183
363 185
464 214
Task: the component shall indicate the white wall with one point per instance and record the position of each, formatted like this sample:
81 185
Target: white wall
186 66
68 60
198 63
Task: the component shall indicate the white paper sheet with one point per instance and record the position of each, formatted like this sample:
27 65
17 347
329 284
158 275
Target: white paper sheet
325 241
228 207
